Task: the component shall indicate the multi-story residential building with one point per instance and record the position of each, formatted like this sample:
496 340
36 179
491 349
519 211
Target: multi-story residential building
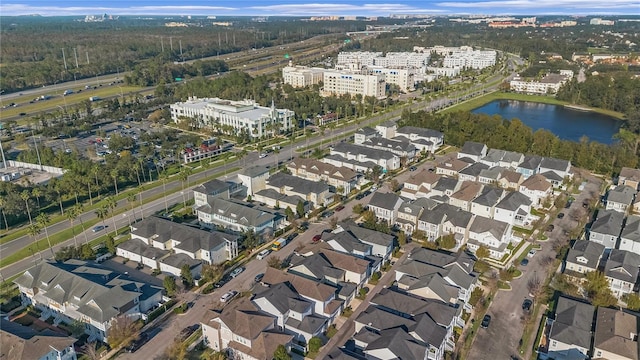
616 335
562 168
363 134
493 234
620 198
214 189
381 244
419 184
363 154
403 149
77 290
451 167
360 57
241 116
254 178
510 180
472 172
301 76
466 193
491 176
529 166
334 268
403 59
212 247
22 342
502 158
316 192
485 203
385 206
236 216
571 331
584 256
423 139
514 209
444 188
537 188
339 177
473 150
206 150
410 211
353 83
444 71
607 228
403 77
470 59
550 84
630 237
629 177
243 330
621 270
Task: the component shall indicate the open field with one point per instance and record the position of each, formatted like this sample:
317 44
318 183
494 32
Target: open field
63 101
480 101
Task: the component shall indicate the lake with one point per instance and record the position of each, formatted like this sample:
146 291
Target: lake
567 124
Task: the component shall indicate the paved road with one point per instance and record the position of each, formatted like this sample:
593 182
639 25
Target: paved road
506 309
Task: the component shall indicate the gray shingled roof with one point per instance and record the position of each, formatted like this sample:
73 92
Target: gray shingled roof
245 215
609 222
621 194
421 132
590 250
387 201
399 343
489 196
214 186
554 164
367 235
446 183
299 185
531 162
513 201
631 229
482 224
472 148
367 131
179 260
623 265
379 319
283 298
22 342
139 247
255 171
613 328
390 144
348 148
573 323
474 169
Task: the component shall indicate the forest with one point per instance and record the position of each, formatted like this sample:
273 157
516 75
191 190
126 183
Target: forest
34 49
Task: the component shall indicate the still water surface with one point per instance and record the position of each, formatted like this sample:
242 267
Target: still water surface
566 123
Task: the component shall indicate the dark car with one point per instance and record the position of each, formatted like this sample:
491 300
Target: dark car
360 196
524 262
568 204
526 305
316 238
142 339
561 215
413 168
486 320
340 207
550 228
258 277
186 332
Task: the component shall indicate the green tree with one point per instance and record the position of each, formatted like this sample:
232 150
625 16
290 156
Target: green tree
25 195
476 295
3 205
315 344
358 209
77 328
482 252
402 238
111 204
448 242
123 331
632 300
187 277
44 221
289 214
87 252
110 244
597 289
281 353
169 284
72 215
300 209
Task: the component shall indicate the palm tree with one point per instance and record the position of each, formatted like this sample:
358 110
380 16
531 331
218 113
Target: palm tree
3 204
34 230
164 191
114 175
44 221
101 213
140 191
25 195
37 192
87 180
80 210
72 215
112 203
132 201
95 171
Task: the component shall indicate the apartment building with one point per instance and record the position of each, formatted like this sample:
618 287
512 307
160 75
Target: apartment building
302 76
353 83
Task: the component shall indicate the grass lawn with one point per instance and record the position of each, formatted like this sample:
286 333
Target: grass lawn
62 101
480 101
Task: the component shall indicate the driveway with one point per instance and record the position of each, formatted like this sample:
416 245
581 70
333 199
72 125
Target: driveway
507 323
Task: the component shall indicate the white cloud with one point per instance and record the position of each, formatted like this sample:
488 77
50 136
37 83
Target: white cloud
24 9
551 5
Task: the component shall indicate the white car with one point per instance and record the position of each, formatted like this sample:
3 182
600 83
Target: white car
263 254
531 253
263 155
228 296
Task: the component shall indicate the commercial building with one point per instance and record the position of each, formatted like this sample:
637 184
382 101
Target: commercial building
301 76
338 82
233 116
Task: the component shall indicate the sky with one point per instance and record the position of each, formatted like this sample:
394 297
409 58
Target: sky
317 8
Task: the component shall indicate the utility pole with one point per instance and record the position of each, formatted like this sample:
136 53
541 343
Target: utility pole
64 58
75 53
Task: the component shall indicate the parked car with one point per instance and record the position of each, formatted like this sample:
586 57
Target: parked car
524 262
550 228
237 271
186 332
263 254
258 277
340 207
526 305
360 196
560 216
316 238
486 320
142 339
531 253
228 296
413 168
98 228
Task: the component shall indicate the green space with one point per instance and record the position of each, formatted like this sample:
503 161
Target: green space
63 101
483 100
